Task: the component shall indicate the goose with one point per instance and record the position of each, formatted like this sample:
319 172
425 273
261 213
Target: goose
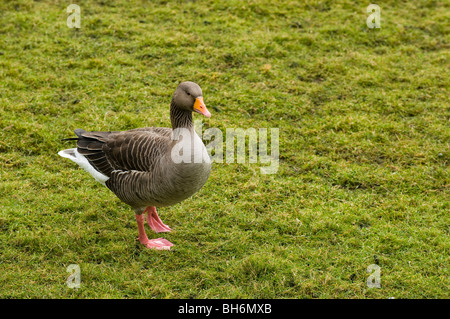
149 167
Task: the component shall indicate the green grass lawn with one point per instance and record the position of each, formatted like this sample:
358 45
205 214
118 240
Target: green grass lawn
363 116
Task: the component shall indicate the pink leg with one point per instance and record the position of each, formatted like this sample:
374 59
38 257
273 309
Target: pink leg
159 243
155 222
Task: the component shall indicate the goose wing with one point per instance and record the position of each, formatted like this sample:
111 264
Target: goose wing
133 150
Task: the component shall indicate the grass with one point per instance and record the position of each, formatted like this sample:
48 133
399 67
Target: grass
363 179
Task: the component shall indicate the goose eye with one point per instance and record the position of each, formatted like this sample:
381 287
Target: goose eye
188 93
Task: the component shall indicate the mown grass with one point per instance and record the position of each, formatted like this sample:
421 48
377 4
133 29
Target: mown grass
364 148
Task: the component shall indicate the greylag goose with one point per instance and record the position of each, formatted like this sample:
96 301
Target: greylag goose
149 167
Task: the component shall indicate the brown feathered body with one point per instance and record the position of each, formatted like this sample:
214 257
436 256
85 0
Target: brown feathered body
139 165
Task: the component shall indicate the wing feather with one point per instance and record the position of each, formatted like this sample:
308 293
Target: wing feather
137 149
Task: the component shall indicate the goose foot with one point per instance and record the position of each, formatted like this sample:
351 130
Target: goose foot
159 243
155 222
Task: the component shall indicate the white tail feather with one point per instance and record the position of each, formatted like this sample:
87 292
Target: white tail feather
82 161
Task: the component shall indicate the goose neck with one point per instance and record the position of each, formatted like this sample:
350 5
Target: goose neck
180 118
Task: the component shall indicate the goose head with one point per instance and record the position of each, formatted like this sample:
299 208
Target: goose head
189 97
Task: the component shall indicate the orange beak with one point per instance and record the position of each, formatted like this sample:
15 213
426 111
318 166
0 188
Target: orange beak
200 107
